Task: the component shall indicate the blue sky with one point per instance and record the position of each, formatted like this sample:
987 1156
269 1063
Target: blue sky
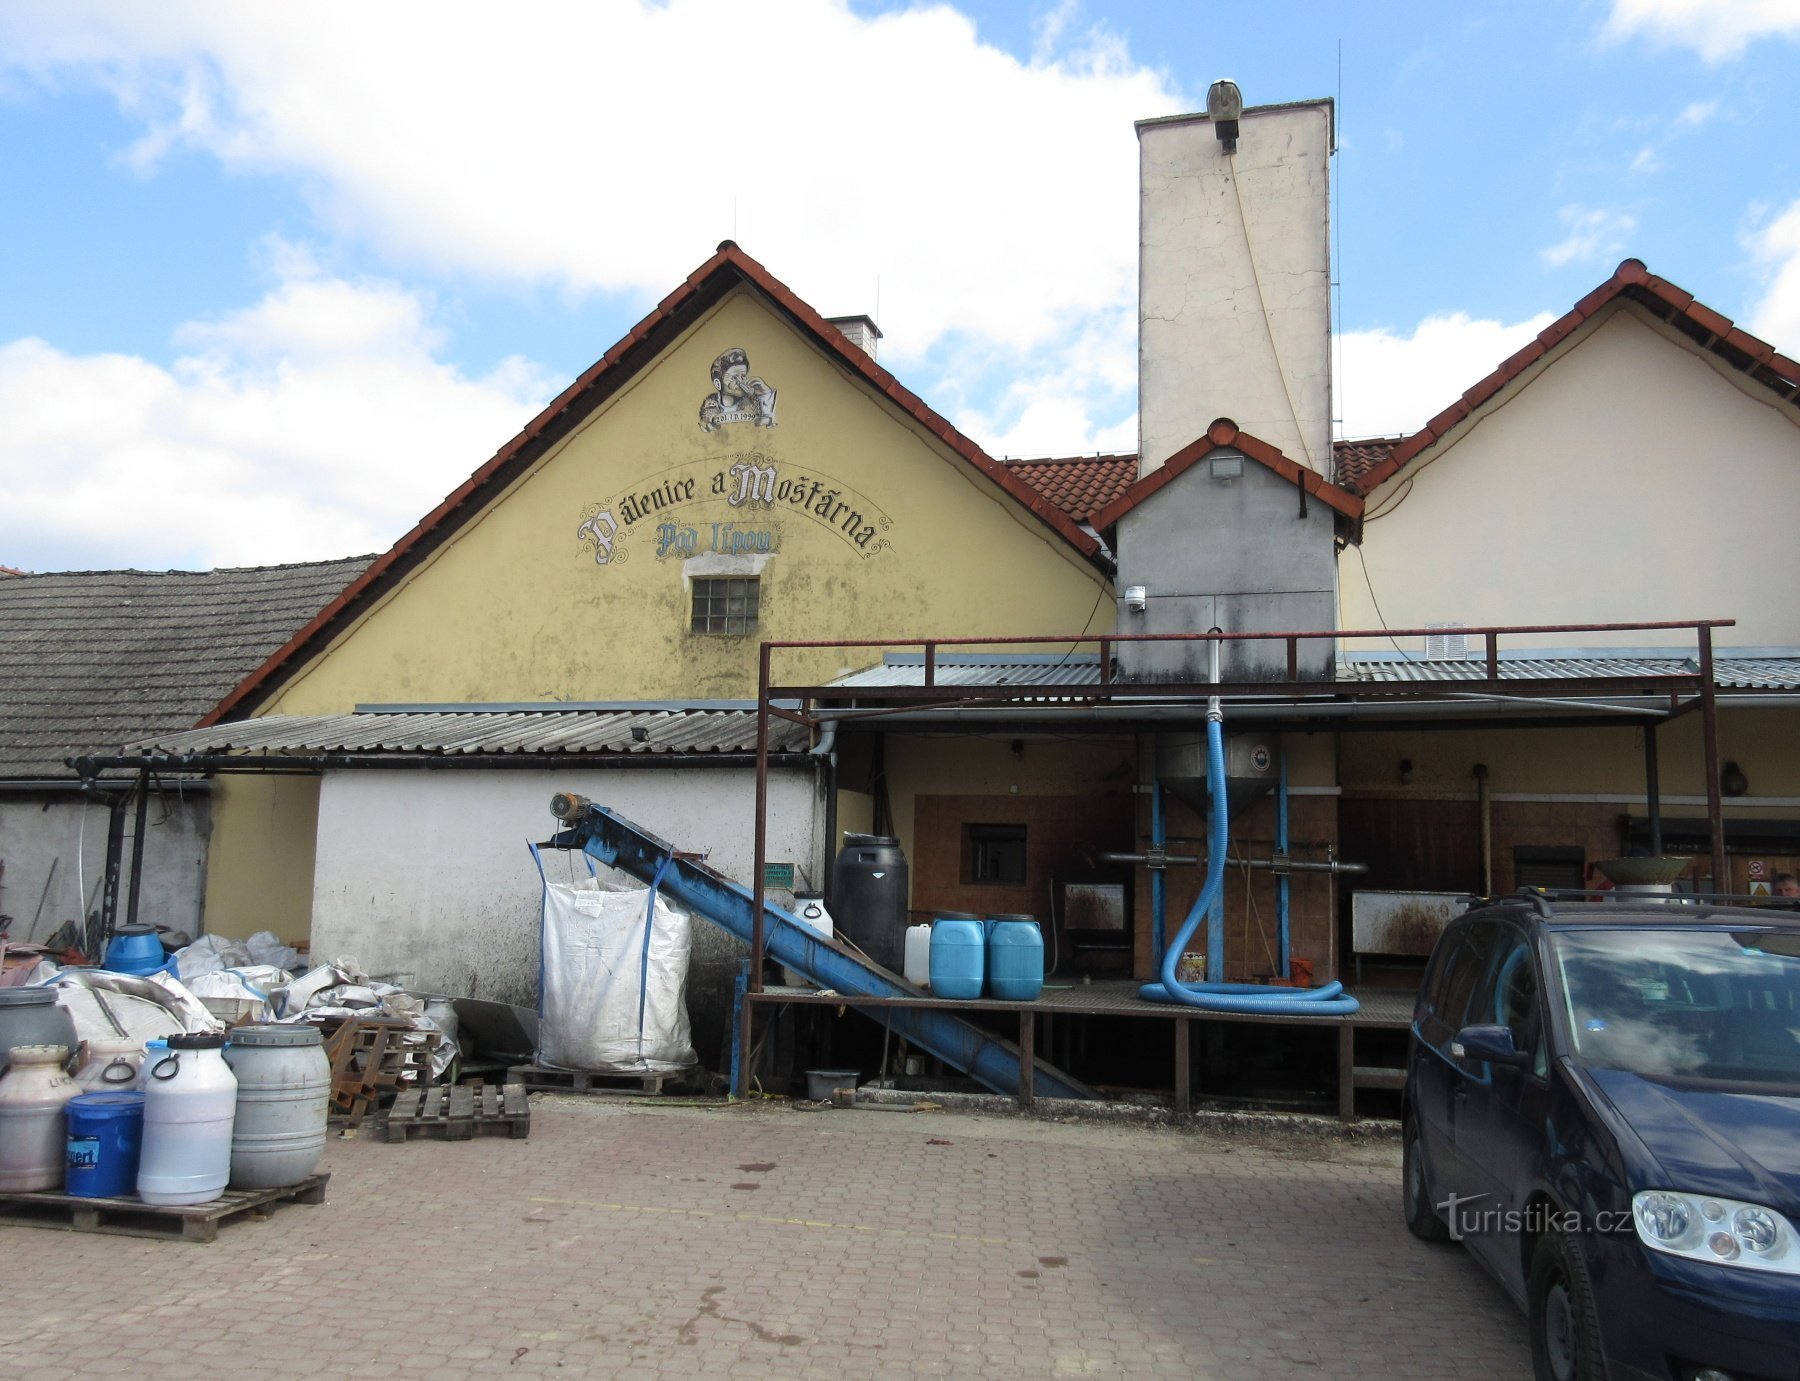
272 281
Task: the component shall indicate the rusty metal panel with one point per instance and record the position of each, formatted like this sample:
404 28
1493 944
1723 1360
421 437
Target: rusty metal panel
1402 922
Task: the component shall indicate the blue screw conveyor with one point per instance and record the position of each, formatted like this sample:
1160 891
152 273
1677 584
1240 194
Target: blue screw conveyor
988 1059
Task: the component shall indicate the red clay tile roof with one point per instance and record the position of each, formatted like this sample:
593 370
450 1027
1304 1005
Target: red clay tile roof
1078 485
1632 282
1225 432
1356 458
709 283
1083 485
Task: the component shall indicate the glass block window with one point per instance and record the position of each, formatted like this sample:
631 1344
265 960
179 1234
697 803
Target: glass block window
726 605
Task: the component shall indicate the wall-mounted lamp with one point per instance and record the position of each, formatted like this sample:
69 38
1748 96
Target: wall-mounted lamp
1405 771
1227 468
1225 106
1135 598
1732 780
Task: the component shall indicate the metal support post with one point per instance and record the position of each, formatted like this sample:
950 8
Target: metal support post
1709 727
758 889
1027 1058
1653 790
1346 1052
1184 1070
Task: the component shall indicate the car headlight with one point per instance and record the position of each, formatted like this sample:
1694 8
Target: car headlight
1726 1232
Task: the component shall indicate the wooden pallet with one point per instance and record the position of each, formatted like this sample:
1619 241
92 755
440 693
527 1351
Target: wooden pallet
460 1113
542 1079
134 1218
372 1058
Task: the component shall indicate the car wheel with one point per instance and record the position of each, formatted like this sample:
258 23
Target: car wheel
1416 1199
1565 1333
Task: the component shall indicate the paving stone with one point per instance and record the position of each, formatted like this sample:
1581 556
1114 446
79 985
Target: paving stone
615 1242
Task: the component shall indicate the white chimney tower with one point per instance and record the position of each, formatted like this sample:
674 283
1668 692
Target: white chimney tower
1234 316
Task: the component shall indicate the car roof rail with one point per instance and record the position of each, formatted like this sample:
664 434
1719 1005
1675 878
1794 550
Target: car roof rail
1539 901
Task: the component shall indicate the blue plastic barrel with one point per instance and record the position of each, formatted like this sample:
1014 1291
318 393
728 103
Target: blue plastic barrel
134 949
958 955
106 1134
1015 958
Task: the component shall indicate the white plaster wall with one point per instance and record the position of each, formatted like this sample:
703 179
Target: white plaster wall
428 872
1211 342
1631 479
38 830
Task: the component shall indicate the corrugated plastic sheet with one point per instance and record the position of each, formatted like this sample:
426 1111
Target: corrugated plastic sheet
452 733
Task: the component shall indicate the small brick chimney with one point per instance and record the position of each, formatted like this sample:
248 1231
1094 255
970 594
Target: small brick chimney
860 331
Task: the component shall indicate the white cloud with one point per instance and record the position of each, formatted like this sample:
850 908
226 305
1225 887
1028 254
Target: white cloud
1715 29
1777 317
1594 234
1389 384
315 424
610 147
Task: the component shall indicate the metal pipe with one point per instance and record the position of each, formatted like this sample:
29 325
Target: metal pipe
1294 865
109 894
137 846
1159 898
166 764
1641 707
1215 717
1376 634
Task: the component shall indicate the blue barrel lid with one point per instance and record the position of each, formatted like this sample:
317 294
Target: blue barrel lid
1014 916
132 930
937 916
116 1101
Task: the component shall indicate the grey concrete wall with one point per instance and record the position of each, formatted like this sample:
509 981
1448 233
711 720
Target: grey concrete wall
428 872
1234 555
38 830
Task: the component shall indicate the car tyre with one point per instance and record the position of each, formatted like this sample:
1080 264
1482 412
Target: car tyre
1565 1329
1416 1199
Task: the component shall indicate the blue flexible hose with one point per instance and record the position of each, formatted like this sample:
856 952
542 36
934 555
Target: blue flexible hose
1251 998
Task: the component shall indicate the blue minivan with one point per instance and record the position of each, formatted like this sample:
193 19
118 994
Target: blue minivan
1603 1105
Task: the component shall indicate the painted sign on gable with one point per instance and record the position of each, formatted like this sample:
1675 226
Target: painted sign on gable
757 489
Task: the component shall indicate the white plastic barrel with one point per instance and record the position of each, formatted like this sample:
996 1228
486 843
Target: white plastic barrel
810 908
283 1102
190 1104
918 955
110 1065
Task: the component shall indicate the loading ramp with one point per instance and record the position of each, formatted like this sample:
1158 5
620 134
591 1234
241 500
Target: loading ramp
990 1060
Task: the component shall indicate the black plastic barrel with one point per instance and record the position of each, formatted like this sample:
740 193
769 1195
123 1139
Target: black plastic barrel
868 897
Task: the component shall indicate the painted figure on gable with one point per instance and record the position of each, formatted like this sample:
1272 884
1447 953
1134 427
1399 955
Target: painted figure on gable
737 396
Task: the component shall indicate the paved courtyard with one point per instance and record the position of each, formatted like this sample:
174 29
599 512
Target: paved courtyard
763 1241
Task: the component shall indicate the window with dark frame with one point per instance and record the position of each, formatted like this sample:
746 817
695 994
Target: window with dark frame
726 605
994 854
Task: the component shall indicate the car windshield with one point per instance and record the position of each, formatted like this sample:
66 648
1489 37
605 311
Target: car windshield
1694 1004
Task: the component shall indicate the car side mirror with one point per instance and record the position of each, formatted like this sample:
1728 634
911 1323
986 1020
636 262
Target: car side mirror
1493 1044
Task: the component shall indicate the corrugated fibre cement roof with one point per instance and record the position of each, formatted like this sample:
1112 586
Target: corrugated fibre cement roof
485 733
